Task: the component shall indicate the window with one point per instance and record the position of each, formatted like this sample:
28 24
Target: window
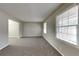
13 28
45 28
66 25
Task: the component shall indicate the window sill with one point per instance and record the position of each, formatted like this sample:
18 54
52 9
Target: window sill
69 43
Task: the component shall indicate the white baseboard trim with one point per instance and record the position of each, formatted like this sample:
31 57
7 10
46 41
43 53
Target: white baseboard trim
53 46
13 36
30 36
4 46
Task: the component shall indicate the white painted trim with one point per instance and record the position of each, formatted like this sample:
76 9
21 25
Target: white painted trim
68 43
4 46
53 46
13 36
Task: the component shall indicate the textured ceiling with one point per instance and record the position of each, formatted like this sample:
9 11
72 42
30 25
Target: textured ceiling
29 12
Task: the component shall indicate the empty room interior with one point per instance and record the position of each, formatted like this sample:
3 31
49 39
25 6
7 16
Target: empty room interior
39 29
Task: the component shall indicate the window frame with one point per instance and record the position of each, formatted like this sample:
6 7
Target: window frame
69 25
45 27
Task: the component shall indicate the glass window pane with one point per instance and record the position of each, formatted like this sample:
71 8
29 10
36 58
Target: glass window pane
59 20
60 29
72 38
57 35
64 36
73 21
61 36
60 23
64 30
65 14
65 21
72 30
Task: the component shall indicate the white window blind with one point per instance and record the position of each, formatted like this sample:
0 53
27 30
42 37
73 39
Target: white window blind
66 25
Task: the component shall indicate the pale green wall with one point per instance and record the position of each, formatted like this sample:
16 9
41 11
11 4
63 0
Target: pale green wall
31 29
64 48
3 29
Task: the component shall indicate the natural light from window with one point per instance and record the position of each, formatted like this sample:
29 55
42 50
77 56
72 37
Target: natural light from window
66 25
45 28
13 28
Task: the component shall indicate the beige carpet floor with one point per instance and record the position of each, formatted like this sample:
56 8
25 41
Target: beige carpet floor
29 47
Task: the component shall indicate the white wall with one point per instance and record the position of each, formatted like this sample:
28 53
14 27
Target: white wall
32 29
3 29
20 29
50 36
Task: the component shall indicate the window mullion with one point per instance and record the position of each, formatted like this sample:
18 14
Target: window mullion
67 24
